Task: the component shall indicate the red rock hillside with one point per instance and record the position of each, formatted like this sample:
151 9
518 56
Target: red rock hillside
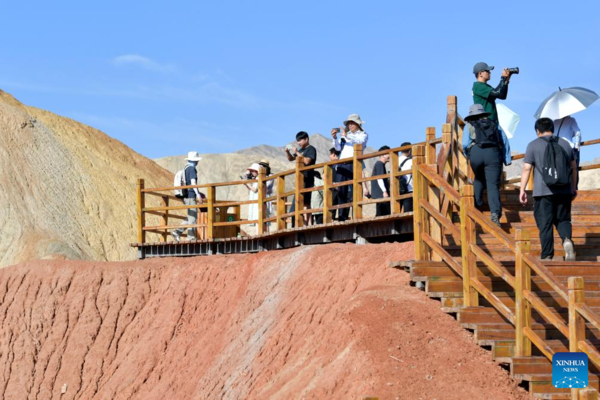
324 322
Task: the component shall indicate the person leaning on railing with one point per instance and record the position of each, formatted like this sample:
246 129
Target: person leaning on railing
192 197
350 134
268 186
487 147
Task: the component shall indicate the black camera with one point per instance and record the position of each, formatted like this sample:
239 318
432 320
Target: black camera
249 175
513 70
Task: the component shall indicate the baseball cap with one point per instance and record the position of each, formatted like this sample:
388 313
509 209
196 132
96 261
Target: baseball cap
481 66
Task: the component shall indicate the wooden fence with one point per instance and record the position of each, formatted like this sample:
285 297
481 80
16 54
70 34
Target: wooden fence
443 186
217 214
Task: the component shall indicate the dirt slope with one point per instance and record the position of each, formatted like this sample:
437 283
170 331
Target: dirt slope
67 190
324 322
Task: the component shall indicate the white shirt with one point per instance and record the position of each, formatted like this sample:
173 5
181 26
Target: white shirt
567 129
360 137
407 166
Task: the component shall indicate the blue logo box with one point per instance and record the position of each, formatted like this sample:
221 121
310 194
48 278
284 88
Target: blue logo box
570 370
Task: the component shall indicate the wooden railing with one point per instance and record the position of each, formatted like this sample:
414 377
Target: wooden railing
214 217
434 178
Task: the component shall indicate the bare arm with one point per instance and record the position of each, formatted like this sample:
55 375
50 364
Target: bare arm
524 180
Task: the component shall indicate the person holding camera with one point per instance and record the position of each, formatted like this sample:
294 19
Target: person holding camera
485 94
309 157
252 173
344 139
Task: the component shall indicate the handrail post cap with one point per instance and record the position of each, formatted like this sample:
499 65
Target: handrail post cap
575 283
522 235
467 191
418 150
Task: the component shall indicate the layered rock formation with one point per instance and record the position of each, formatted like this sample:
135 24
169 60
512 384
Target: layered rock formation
67 190
320 322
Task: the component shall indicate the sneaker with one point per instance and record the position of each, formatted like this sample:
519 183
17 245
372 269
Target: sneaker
496 219
175 236
569 250
548 258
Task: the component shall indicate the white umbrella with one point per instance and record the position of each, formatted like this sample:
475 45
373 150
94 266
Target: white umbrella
565 102
508 120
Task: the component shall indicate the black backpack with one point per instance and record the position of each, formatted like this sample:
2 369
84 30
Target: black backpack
556 168
486 133
403 179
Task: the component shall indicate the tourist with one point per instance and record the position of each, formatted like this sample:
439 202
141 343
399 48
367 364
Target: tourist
344 139
552 204
380 189
486 95
487 147
309 157
192 197
406 181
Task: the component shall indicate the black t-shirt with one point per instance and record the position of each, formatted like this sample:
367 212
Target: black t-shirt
379 169
309 152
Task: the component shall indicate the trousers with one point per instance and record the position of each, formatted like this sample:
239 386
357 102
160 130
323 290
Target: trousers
487 167
192 217
550 211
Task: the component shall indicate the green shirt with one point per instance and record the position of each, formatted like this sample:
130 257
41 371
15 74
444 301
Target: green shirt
481 92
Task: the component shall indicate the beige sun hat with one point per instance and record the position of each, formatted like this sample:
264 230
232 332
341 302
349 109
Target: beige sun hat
193 156
254 167
356 119
265 162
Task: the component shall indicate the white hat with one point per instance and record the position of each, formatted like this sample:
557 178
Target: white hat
354 118
254 167
193 156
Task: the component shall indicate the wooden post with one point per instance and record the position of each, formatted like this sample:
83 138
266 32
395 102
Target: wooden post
576 321
357 187
141 216
210 212
430 149
433 193
280 222
394 183
327 194
419 192
299 197
237 211
261 200
522 282
165 218
467 237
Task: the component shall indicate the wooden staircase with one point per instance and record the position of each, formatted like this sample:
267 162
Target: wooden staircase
522 309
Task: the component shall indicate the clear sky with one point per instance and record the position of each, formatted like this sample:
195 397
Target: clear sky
169 77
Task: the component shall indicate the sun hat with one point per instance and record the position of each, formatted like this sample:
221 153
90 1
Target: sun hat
481 66
356 119
254 167
193 156
476 110
265 162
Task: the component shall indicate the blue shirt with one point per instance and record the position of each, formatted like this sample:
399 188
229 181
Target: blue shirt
467 141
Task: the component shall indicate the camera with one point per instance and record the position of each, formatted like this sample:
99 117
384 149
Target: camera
513 70
247 176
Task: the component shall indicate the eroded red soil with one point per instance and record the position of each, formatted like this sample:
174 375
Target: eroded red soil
323 322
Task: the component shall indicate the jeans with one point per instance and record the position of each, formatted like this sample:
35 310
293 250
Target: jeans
549 211
487 166
345 193
407 204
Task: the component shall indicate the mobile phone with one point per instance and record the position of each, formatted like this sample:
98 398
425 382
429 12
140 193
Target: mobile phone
336 130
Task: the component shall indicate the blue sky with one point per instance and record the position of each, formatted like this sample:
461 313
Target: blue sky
169 77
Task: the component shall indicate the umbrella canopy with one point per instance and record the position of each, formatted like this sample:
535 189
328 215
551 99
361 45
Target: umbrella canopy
565 102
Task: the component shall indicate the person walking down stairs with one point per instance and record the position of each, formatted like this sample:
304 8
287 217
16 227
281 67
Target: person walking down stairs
487 148
552 195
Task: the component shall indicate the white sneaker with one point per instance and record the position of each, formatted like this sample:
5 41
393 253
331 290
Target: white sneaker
175 236
569 250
